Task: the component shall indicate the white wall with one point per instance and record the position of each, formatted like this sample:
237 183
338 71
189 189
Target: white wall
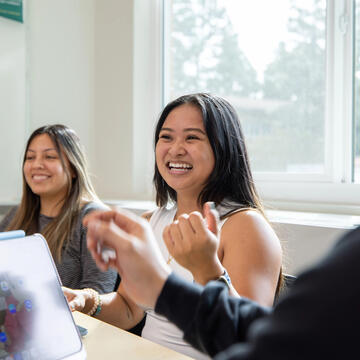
46 76
303 245
12 107
82 72
112 147
126 101
60 60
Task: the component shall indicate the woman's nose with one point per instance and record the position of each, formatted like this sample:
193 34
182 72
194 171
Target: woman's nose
38 162
177 148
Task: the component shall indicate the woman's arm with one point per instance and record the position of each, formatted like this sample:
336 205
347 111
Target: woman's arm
116 308
251 253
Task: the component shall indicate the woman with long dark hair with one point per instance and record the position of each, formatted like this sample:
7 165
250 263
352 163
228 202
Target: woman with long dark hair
200 157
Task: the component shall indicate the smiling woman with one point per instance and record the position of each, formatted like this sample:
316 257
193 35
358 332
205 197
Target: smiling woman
200 157
57 194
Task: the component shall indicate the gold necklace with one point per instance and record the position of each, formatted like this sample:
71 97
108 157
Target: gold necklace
169 259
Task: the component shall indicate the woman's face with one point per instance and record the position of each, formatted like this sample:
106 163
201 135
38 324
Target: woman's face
183 153
43 169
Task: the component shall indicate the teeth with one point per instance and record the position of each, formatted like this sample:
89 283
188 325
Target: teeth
176 165
40 177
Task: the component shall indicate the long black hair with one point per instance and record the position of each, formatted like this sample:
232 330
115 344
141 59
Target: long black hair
231 180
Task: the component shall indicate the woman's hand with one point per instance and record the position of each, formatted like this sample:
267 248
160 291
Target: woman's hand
193 242
138 259
76 299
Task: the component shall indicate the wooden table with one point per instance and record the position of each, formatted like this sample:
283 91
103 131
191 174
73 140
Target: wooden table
105 341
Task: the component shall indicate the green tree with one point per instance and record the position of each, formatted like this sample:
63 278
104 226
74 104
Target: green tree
283 118
205 51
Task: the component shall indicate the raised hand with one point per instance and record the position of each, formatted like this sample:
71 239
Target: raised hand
193 242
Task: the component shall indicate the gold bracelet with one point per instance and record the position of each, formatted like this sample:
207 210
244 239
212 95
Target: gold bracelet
96 308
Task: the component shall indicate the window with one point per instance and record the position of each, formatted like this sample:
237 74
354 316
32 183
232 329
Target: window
287 69
357 95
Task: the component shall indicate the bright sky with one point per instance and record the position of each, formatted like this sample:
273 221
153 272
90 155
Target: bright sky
259 22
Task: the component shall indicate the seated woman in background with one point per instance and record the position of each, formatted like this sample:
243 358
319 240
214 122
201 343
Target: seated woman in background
200 156
57 194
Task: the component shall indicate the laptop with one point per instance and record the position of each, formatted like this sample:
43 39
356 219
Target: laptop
35 320
11 234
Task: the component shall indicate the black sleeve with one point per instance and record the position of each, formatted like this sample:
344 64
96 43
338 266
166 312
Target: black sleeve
211 319
318 319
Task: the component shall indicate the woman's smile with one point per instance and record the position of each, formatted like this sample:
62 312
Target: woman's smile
178 168
40 177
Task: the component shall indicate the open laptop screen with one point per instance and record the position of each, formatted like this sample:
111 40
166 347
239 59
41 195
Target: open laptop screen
35 321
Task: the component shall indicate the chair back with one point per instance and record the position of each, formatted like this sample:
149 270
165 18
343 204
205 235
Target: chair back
288 283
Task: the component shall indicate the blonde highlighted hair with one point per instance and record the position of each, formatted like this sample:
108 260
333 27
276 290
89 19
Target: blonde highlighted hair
79 192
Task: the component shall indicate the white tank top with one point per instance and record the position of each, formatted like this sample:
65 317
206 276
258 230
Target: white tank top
157 328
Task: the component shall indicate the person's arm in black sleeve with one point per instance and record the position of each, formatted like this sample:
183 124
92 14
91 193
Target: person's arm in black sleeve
318 319
211 319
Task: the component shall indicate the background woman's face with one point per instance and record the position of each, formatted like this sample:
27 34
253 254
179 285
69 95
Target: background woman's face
184 156
43 169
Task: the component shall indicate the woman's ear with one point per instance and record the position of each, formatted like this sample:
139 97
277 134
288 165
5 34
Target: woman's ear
72 171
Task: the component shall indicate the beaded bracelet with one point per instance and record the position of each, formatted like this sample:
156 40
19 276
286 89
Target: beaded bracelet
97 302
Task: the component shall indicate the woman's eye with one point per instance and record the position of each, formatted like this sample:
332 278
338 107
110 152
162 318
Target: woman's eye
165 137
192 137
29 157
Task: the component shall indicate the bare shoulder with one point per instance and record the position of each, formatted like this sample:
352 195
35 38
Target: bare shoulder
248 226
251 253
246 216
147 215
